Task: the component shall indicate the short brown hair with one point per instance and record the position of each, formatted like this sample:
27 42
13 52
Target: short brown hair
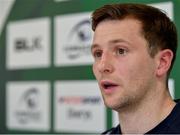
159 31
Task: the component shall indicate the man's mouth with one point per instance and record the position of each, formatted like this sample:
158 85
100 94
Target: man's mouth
107 85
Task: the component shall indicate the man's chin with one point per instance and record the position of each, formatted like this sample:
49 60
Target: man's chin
113 106
120 106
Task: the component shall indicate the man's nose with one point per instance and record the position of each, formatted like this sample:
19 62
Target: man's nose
106 64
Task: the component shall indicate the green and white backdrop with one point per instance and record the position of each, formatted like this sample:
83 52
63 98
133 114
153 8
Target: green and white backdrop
46 80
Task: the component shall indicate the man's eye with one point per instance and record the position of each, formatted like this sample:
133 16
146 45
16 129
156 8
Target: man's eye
121 51
97 54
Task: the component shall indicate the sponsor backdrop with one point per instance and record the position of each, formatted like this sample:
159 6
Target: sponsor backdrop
46 80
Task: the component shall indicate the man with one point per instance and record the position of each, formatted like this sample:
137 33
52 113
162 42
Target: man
134 48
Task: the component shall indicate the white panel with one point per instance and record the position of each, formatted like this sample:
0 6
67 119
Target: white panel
166 7
28 106
79 107
115 118
171 84
28 44
5 7
73 39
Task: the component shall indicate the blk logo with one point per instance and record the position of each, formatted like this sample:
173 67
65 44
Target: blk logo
23 44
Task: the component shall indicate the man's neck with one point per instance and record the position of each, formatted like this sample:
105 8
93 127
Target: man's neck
147 115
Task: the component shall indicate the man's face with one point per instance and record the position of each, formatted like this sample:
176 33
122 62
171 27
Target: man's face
123 67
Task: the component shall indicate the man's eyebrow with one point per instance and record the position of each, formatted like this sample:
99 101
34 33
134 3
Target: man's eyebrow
94 46
114 41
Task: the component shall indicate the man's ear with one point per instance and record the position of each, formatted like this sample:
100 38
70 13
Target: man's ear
164 61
